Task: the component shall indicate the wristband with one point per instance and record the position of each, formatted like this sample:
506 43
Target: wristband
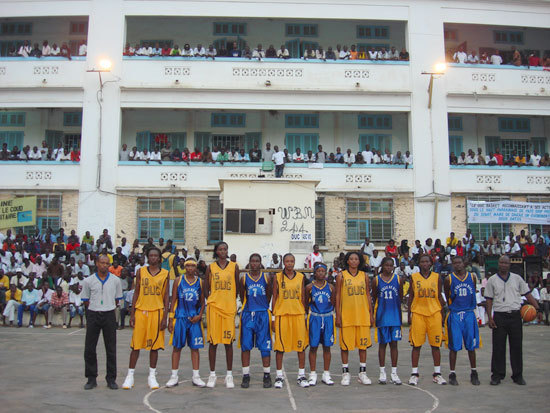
272 318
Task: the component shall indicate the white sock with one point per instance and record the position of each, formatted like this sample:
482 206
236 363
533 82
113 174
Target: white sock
131 372
394 370
267 370
326 372
246 370
345 366
313 372
230 372
415 370
437 369
212 373
152 371
362 364
301 372
474 369
382 369
175 373
451 372
280 373
196 373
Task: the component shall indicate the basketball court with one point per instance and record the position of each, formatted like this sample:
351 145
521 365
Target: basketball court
42 370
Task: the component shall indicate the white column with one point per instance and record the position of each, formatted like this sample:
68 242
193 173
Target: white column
429 136
101 123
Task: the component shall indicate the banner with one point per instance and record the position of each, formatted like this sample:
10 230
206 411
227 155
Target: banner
18 212
508 212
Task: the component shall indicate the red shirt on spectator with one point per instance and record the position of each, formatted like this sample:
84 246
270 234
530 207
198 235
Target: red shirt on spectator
75 156
166 51
459 251
529 250
500 158
534 61
72 246
392 251
185 157
57 301
196 156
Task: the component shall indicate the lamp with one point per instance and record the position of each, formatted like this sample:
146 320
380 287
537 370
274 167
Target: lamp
104 66
438 70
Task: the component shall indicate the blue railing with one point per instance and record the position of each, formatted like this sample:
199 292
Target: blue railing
228 164
500 167
490 66
33 162
39 59
269 60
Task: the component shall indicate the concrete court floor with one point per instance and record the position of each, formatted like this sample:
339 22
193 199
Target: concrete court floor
42 370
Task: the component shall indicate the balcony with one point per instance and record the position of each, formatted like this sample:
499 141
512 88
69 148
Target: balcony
36 175
205 177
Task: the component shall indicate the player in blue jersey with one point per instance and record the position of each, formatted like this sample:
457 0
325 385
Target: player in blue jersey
321 298
461 323
255 319
186 308
387 293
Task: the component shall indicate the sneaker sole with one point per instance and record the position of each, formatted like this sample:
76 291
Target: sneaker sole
198 385
154 388
127 388
173 385
328 384
397 383
382 382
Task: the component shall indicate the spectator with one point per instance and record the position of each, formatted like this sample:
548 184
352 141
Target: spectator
473 58
65 51
460 56
166 152
534 60
25 49
59 302
320 156
13 301
82 49
404 55
36 51
75 155
271 52
157 51
283 53
267 153
298 156
128 50
279 158
55 50
349 158
516 58
211 52
175 51
344 54
235 51
247 54
29 300
330 55
258 53
46 49
496 59
375 262
76 306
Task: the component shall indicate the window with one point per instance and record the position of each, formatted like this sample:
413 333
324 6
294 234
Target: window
301 120
228 142
320 221
455 145
12 138
482 232
240 221
7 45
378 142
506 36
454 122
161 42
544 229
231 29
374 121
373 32
48 214
203 140
293 29
71 141
151 140
450 34
15 28
521 146
79 28
539 145
12 118
304 141
161 218
372 219
491 144
228 120
215 220
514 124
72 118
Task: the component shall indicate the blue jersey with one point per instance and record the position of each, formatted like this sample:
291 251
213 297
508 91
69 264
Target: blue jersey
388 302
255 293
463 293
189 295
320 299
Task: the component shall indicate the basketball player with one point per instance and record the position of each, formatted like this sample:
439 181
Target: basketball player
149 315
387 293
354 314
221 289
289 304
255 323
169 264
461 323
321 298
187 307
426 304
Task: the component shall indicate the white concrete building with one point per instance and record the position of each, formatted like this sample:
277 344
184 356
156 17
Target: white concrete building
236 102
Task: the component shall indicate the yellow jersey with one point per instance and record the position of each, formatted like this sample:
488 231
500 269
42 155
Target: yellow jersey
426 294
354 304
223 291
168 263
151 290
289 299
16 296
181 271
5 282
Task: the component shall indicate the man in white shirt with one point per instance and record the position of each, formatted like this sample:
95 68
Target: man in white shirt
25 49
411 269
344 54
387 157
298 156
199 51
258 53
125 247
211 52
383 54
64 155
39 267
46 49
460 56
56 151
496 59
470 158
473 58
512 248
375 262
313 257
215 153
155 156
535 161
47 257
393 53
283 53
55 50
367 247
373 54
80 267
279 158
44 150
367 154
408 158
143 156
349 157
37 156
376 158
82 49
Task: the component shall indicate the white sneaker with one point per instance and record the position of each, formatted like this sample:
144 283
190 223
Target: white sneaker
46 326
327 379
363 378
302 381
346 378
211 381
312 378
198 382
413 380
229 382
382 379
31 326
172 382
439 379
395 379
279 382
128 382
152 382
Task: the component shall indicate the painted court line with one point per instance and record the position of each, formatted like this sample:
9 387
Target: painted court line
74 332
290 396
435 404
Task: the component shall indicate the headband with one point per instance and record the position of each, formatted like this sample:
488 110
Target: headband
190 261
320 264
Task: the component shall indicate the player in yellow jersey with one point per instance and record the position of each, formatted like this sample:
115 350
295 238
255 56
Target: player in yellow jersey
425 312
221 289
149 316
354 314
289 309
169 264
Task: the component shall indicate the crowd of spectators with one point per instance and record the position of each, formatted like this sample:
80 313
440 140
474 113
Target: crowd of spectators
44 153
26 50
497 159
221 155
517 58
259 53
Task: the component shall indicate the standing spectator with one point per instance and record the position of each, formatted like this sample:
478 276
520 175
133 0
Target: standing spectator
267 153
123 153
55 50
24 49
46 49
349 158
211 52
82 49
313 257
271 52
283 53
460 56
320 156
279 158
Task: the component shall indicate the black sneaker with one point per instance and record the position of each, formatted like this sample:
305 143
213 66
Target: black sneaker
474 379
112 385
246 381
91 384
267 380
520 381
452 379
495 381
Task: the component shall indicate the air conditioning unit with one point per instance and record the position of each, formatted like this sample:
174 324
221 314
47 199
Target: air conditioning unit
264 221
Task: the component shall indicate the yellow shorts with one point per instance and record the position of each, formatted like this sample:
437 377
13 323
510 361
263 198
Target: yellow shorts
220 327
291 333
353 337
422 325
147 334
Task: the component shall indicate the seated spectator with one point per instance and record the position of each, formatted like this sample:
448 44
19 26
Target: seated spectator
134 154
29 299
55 50
247 53
375 262
157 51
383 54
258 53
496 59
393 54
404 55
166 50
145 50
222 51
320 53
234 51
242 156
283 53
271 52
46 49
344 54
196 155
215 153
529 248
76 306
155 155
310 157
473 58
25 49
534 60
211 52
513 249
128 50
309 53
59 303
330 55
387 158
13 301
65 51
82 48
115 269
199 51
484 59
45 293
63 156
75 154
255 153
391 249
175 51
349 157
222 157
35 52
460 56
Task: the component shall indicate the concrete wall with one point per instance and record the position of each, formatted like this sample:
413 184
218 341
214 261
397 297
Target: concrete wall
403 218
458 215
126 219
69 211
196 221
335 225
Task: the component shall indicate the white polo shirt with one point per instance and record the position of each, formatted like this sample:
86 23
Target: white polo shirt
101 294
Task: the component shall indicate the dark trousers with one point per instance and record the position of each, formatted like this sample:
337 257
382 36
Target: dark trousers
98 321
279 170
509 326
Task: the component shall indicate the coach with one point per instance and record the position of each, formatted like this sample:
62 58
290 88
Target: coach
503 293
100 293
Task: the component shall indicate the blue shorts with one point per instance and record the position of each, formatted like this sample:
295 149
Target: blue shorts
73 309
321 330
256 332
462 326
389 334
188 333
